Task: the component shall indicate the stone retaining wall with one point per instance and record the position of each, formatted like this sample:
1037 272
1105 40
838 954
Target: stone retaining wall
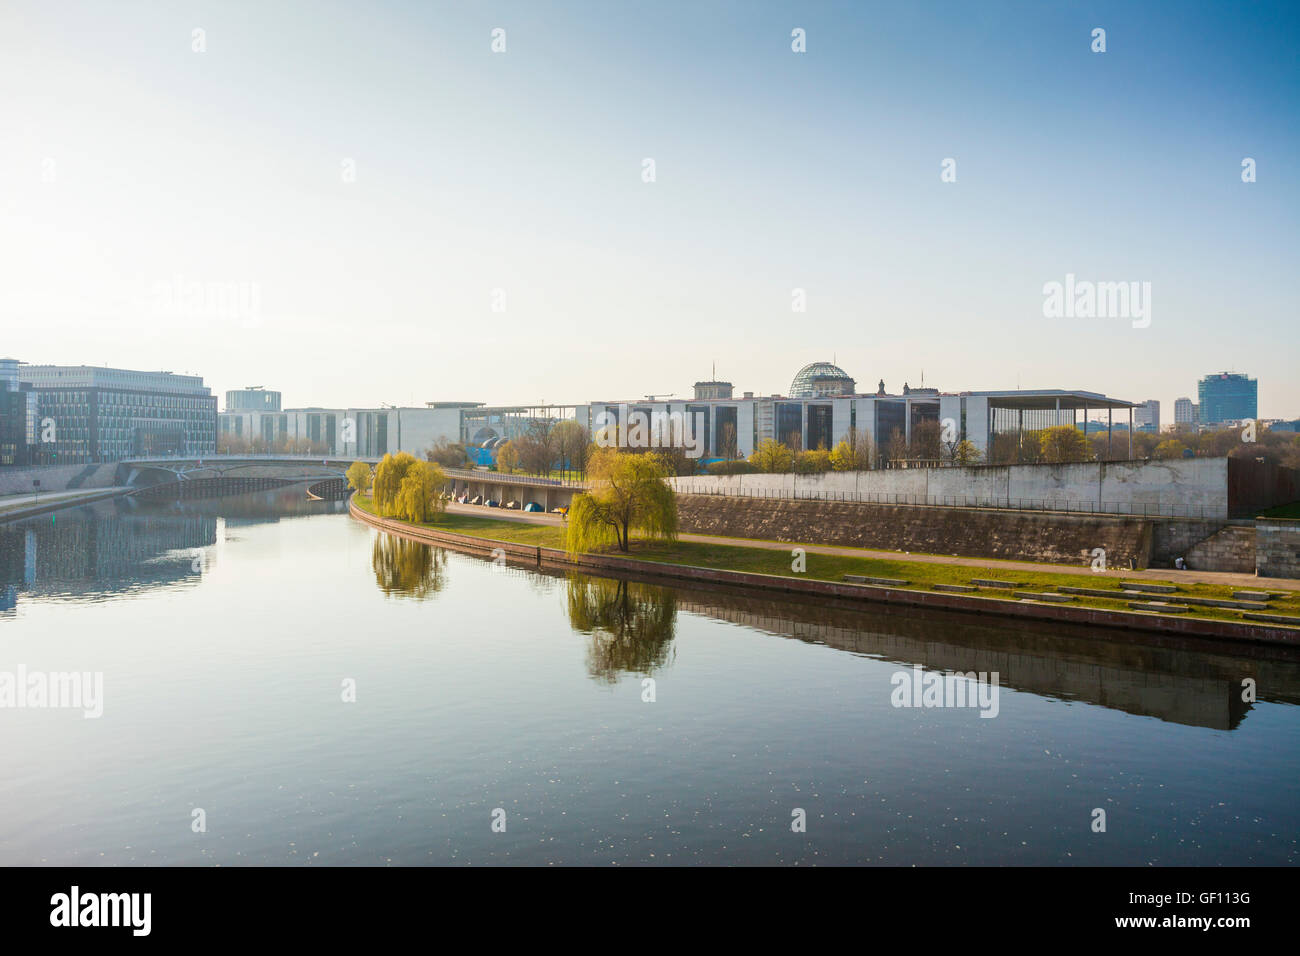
1277 548
971 532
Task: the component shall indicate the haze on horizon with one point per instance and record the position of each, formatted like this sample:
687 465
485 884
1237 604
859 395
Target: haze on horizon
133 165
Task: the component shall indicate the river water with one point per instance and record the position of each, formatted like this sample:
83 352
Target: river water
283 685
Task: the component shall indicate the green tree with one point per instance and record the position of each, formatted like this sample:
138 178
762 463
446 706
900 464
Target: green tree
1170 448
388 480
358 477
772 457
965 453
627 493
419 497
507 458
1062 443
812 462
852 453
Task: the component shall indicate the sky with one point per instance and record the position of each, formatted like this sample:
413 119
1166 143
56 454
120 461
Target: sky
365 203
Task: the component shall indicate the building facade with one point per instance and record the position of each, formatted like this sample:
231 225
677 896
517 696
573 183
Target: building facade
1228 397
1146 416
18 417
1186 412
94 414
255 398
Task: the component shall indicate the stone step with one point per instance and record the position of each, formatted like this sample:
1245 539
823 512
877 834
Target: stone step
887 582
957 588
989 583
1099 592
1224 602
1254 595
1149 588
1044 596
1159 606
1273 619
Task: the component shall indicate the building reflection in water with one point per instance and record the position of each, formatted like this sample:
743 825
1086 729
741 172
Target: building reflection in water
119 546
631 624
407 568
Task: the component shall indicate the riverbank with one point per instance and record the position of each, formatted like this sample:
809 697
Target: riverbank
33 505
915 583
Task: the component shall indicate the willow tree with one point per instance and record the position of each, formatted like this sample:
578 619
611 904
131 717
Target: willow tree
419 497
627 493
358 475
388 480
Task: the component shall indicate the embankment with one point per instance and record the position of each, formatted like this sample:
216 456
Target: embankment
607 563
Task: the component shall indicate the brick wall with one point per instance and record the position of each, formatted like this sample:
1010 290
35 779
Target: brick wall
1013 535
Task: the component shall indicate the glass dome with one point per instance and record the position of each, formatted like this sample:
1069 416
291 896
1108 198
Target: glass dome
821 378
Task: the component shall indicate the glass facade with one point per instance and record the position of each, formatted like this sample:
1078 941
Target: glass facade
789 424
1227 397
95 415
820 433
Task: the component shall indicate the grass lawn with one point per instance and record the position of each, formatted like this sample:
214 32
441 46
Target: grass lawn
826 567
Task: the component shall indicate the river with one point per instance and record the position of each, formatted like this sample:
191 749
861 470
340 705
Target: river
284 685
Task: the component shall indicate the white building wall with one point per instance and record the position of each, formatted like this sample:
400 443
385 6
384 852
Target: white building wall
745 428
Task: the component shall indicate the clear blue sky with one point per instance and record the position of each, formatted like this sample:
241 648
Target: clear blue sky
131 162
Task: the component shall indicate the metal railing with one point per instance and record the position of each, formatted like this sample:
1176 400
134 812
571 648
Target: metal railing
1065 505
512 479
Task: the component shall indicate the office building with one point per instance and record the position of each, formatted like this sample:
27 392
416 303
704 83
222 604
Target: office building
1146 416
255 398
106 414
1228 397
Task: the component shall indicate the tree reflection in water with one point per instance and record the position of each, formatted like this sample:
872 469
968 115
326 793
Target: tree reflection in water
631 624
408 568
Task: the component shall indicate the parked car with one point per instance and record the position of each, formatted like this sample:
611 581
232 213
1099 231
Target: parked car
492 503
533 506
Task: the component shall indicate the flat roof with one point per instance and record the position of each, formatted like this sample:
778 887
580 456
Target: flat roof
1047 398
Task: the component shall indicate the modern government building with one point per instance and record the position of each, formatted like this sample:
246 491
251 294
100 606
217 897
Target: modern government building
822 407
106 414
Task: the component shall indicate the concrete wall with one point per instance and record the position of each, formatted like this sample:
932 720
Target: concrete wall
15 481
1277 548
1013 535
1192 486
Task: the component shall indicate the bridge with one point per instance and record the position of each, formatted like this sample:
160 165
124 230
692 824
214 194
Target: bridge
195 475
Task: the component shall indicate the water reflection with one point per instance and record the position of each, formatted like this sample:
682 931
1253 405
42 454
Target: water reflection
631 624
123 545
407 568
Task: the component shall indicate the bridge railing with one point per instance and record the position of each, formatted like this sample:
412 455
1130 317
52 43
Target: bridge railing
509 479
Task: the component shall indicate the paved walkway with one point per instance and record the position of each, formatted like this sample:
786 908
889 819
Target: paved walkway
1247 582
13 507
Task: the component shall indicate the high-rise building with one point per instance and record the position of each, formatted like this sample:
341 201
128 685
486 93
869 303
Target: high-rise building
1146 416
107 414
1186 412
255 398
1228 397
